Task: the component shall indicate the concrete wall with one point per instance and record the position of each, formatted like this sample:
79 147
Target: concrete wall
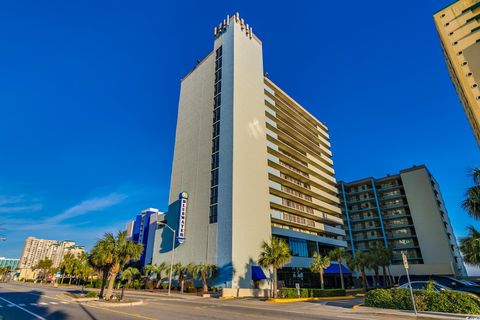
432 237
191 169
250 203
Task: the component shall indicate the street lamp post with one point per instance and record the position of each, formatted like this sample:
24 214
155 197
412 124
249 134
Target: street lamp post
173 255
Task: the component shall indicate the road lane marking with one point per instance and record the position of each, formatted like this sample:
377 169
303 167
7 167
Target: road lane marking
43 303
21 304
10 305
33 304
21 308
64 302
53 302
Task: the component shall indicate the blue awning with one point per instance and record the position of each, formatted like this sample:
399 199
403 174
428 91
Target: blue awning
257 273
335 269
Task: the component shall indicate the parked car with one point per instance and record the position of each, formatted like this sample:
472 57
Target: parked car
422 285
446 281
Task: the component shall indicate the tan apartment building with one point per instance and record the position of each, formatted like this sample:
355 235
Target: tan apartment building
404 212
249 163
37 249
458 26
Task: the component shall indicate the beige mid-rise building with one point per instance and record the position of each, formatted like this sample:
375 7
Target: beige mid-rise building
458 26
249 163
37 249
406 213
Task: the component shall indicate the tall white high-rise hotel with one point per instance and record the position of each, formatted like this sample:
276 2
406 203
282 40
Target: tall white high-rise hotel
253 162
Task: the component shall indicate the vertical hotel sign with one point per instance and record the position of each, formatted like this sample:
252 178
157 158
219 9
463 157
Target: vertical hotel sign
183 199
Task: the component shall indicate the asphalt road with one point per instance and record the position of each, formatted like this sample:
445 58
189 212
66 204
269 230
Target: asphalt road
19 302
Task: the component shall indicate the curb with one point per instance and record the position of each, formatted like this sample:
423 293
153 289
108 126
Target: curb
357 306
117 304
288 300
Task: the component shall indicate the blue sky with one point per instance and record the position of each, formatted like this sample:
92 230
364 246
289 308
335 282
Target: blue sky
89 93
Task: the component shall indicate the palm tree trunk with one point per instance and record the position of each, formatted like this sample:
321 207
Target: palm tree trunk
111 282
321 280
204 280
364 278
70 280
104 283
341 273
158 283
274 293
384 270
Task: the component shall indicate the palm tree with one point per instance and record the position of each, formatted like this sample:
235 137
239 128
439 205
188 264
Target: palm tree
81 268
67 266
127 276
470 247
320 263
472 202
123 250
384 259
205 271
44 265
182 271
338 254
361 262
100 259
274 255
374 261
157 270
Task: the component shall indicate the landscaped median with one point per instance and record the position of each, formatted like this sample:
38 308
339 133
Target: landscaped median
297 295
448 301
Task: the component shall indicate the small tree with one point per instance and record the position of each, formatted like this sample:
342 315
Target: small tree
374 262
126 278
274 255
68 266
320 263
338 254
153 269
361 262
44 266
205 271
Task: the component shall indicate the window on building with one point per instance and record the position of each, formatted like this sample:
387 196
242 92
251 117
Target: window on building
311 248
298 247
213 213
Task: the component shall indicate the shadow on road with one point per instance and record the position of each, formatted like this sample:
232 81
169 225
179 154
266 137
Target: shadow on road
31 301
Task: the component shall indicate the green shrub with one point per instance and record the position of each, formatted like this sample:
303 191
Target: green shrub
425 300
310 293
91 294
164 286
380 298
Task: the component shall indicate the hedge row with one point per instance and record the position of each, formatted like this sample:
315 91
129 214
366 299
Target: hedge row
310 293
425 300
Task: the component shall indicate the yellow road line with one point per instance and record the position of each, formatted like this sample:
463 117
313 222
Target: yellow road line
121 312
287 300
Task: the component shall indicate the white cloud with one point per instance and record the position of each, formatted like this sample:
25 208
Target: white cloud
87 206
33 207
10 199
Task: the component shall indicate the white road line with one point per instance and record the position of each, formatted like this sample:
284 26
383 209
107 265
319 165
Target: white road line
10 305
43 303
21 304
33 304
64 302
53 302
21 308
